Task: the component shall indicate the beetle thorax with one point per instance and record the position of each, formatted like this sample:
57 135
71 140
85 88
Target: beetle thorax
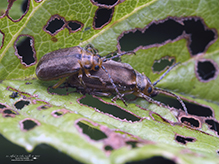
90 62
86 61
96 63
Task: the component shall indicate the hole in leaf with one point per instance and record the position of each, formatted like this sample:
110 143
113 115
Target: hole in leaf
20 104
108 108
14 95
1 39
24 50
162 64
190 121
167 100
198 110
18 9
55 24
61 90
158 33
59 112
213 125
106 4
103 2
93 133
133 144
24 6
102 17
193 109
74 26
9 113
108 148
206 70
2 106
183 140
153 160
28 124
201 35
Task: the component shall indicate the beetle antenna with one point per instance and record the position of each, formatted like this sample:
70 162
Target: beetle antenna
91 48
114 86
173 95
125 53
169 69
118 55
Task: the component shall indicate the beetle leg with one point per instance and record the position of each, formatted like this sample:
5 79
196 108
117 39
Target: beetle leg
107 95
59 83
114 86
80 75
120 97
117 96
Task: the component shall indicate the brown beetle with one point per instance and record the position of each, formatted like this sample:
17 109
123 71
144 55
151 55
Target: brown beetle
65 62
68 61
126 80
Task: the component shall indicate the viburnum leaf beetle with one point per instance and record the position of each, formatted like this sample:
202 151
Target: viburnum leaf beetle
126 80
65 62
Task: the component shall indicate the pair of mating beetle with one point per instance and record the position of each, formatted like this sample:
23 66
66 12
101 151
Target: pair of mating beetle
103 75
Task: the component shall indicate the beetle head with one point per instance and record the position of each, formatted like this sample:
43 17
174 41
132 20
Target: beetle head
144 85
149 88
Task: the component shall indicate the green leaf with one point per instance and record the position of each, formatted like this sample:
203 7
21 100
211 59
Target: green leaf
147 130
